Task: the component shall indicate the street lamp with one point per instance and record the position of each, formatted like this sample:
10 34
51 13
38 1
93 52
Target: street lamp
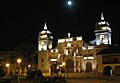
7 65
29 66
18 61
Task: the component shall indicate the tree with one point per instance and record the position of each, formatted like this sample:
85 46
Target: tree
1 72
26 52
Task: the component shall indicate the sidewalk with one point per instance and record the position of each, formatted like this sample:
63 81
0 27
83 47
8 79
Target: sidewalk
89 75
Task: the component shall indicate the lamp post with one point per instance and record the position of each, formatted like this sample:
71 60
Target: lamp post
7 65
18 61
29 66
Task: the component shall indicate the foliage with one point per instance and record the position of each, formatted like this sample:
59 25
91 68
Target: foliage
1 72
26 52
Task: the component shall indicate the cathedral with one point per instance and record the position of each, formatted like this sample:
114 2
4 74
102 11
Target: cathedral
72 54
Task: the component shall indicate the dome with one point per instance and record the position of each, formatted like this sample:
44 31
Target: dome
45 31
45 34
102 25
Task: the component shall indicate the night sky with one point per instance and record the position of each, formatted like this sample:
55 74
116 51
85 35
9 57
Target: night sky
21 21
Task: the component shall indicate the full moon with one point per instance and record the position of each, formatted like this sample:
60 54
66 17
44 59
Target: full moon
69 2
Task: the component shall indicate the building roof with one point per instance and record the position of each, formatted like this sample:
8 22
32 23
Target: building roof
102 23
110 50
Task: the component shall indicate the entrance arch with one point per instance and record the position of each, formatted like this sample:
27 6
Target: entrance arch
107 71
88 67
117 70
69 66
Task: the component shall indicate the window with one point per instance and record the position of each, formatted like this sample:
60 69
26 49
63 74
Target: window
42 60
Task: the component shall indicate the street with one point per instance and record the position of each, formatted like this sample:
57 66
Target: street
94 80
107 79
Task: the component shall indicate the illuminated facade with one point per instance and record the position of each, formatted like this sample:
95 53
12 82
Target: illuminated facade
103 32
45 39
72 51
72 54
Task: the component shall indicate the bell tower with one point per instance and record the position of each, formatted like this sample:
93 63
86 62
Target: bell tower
45 39
103 32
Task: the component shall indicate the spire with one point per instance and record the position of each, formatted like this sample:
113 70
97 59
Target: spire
45 26
102 17
68 35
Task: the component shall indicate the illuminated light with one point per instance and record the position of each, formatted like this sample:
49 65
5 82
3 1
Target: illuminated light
61 40
50 45
43 32
69 39
43 36
105 41
66 52
108 28
104 28
68 35
48 31
69 3
97 42
7 65
90 47
45 26
84 48
68 44
56 50
101 23
74 54
51 37
40 47
102 17
51 50
19 60
53 59
44 47
85 58
58 55
29 66
79 38
63 63
77 51
91 57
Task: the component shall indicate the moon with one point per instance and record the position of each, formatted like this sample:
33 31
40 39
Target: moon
69 3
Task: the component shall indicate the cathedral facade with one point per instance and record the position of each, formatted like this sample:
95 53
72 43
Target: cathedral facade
72 54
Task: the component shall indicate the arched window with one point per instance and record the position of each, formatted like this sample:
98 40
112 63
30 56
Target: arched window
117 70
69 65
88 67
107 71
